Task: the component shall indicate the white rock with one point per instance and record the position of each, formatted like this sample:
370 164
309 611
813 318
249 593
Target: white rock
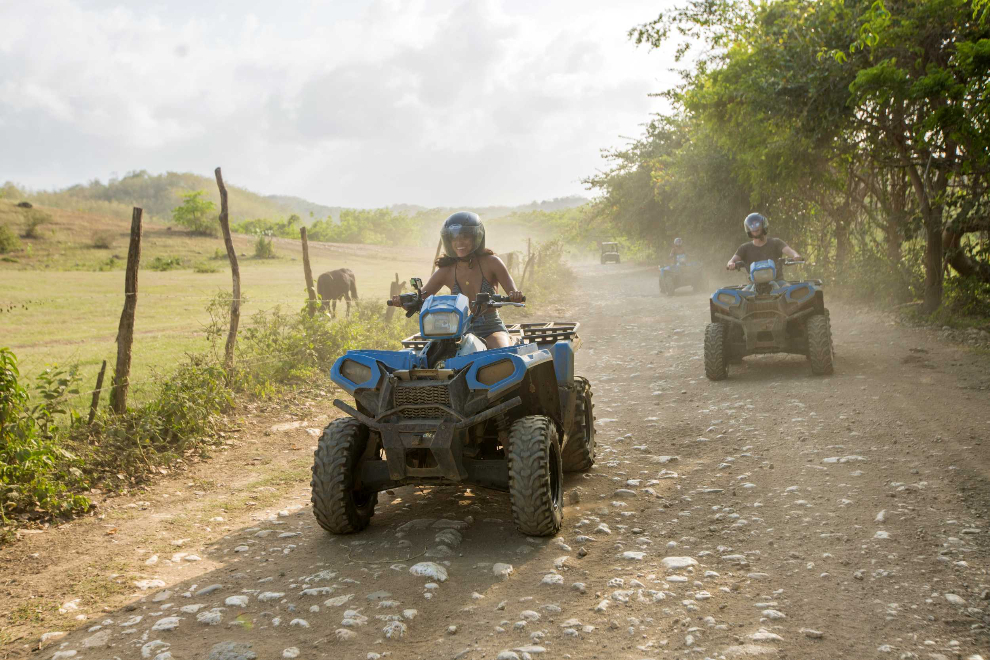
291 652
144 585
774 614
394 630
338 601
409 614
502 571
429 569
678 563
881 517
955 600
153 648
299 623
189 609
101 638
343 634
210 617
507 655
167 623
236 601
266 596
881 534
629 554
765 636
552 578
813 634
530 615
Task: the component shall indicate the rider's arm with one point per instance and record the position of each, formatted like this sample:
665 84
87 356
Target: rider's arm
734 260
504 278
437 281
790 252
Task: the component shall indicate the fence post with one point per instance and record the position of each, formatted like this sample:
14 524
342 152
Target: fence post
125 331
235 303
436 256
308 272
394 289
96 394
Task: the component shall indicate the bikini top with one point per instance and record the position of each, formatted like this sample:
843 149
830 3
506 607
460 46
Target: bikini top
486 286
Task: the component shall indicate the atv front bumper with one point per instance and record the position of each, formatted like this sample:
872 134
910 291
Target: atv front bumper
441 440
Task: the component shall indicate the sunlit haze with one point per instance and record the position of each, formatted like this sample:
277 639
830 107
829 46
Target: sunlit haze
359 104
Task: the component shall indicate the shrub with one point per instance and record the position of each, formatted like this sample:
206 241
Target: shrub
165 263
264 247
37 475
33 218
205 267
103 239
196 214
8 240
219 254
111 263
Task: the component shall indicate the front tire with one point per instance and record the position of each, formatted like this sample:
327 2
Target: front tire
716 358
579 452
536 476
668 287
819 331
338 505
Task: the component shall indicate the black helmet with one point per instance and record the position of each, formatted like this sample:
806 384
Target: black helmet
754 222
463 223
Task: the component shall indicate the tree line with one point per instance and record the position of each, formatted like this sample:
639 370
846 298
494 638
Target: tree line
861 128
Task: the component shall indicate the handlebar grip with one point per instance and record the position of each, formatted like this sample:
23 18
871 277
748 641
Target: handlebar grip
389 302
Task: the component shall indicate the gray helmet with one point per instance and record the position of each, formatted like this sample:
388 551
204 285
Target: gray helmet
754 222
463 223
678 242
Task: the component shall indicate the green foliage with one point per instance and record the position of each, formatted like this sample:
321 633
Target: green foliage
8 240
282 228
33 219
264 247
37 475
205 267
370 227
196 214
165 263
859 127
111 263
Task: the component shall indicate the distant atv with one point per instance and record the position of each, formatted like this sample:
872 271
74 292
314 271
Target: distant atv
610 253
768 316
682 273
446 410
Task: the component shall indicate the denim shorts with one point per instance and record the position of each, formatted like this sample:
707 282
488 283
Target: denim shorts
487 324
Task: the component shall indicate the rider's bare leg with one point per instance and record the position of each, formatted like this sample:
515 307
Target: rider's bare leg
498 340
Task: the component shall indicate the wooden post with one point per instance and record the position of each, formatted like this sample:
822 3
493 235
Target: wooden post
308 272
522 280
436 256
394 289
235 303
125 331
96 394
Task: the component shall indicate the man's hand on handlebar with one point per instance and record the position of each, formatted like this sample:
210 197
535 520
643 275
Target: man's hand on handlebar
733 265
516 297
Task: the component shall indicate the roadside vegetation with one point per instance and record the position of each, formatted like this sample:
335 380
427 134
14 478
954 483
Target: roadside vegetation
858 128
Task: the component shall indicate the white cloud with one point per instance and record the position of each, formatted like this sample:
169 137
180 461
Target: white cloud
436 102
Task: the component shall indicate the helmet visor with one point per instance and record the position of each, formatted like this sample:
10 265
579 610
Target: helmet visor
753 224
455 236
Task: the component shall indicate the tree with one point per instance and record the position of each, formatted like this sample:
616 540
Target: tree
196 214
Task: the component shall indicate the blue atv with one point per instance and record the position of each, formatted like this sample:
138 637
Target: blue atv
768 316
682 273
447 410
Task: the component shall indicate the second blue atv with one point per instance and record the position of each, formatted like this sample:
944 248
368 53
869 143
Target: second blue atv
768 315
682 273
446 410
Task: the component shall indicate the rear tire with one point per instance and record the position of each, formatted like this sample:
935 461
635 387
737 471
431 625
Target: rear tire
819 331
337 505
579 452
716 362
536 476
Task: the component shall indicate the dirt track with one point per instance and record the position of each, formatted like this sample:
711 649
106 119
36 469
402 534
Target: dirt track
840 517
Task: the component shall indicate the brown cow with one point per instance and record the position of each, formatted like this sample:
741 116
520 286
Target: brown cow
334 285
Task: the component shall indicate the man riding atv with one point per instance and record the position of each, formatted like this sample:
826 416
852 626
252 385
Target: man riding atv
675 251
761 248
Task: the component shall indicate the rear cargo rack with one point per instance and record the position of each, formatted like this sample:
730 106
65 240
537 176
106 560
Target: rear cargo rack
541 334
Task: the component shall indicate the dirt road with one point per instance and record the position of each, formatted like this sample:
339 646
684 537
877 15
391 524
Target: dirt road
771 515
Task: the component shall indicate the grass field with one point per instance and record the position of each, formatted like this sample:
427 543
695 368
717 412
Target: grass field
57 307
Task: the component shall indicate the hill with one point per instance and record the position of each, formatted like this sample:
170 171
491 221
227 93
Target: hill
492 212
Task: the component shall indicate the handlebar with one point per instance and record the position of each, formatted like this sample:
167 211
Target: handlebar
412 302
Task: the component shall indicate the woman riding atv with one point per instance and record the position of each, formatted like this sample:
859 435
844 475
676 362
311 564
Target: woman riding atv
468 267
761 248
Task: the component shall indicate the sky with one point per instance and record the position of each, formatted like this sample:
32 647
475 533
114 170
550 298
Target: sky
350 103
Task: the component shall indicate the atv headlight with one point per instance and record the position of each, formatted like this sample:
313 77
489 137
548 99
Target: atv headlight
355 372
763 275
441 323
496 372
726 299
800 293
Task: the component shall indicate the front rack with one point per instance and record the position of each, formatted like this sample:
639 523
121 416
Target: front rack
541 334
